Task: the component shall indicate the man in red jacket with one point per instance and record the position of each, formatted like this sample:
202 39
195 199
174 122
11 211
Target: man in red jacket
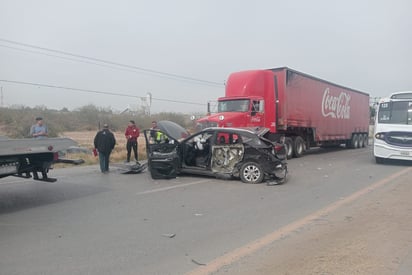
132 133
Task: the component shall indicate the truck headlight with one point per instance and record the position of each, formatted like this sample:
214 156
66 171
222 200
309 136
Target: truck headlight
221 117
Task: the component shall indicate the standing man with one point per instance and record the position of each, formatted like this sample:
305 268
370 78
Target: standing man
104 142
156 136
131 134
39 130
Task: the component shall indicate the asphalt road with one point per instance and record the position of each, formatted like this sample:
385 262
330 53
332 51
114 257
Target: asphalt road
92 223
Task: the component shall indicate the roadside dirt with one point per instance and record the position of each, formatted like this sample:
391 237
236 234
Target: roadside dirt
371 235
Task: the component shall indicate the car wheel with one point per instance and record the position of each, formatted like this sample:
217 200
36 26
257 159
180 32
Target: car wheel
251 172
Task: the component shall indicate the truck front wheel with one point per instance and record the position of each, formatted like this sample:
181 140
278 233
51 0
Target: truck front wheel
289 147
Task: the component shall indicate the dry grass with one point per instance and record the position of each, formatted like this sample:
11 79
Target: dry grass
85 140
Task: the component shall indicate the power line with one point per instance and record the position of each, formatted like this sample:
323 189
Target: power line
103 65
158 73
95 91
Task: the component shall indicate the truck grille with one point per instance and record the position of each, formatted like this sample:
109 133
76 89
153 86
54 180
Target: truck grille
403 139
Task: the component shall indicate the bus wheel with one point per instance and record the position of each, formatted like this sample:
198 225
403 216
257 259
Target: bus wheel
379 160
365 140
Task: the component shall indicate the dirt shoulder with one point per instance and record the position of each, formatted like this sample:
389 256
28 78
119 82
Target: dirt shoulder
372 235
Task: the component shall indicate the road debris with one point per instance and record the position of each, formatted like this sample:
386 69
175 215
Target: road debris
196 262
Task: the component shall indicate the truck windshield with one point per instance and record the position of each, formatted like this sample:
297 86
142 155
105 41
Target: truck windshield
238 105
395 112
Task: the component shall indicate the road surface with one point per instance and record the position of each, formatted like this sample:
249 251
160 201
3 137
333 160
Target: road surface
338 213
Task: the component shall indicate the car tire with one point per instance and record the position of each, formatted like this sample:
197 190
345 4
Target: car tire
251 172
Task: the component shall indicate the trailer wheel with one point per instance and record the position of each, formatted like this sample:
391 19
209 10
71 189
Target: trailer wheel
298 147
289 147
355 141
251 172
365 140
360 141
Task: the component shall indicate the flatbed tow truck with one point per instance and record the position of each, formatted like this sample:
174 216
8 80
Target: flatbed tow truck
32 158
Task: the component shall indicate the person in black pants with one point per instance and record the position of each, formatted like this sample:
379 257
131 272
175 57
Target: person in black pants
104 142
131 134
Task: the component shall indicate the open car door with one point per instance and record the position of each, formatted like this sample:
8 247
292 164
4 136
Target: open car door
163 149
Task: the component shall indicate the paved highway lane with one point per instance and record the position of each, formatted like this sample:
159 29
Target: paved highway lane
90 223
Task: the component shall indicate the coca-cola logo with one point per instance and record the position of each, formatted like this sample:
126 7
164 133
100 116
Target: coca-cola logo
336 106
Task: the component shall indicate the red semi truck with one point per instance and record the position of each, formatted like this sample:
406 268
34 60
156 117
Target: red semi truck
305 110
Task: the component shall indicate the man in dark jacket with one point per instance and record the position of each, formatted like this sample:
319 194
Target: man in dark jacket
104 142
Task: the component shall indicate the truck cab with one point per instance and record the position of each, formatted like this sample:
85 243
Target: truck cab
237 112
248 102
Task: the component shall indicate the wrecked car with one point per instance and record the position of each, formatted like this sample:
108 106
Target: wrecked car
219 152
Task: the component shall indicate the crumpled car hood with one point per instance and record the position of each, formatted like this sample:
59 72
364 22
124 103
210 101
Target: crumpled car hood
172 129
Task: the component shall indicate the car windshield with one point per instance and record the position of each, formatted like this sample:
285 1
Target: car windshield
395 112
238 105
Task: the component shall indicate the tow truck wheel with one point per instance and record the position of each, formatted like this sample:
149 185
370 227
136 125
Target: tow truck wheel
251 172
289 147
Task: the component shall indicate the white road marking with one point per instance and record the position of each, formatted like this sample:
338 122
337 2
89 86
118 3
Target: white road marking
171 187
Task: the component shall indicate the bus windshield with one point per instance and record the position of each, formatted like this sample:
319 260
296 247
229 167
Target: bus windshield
395 112
237 105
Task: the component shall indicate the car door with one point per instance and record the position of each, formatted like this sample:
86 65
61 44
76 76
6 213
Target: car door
163 149
162 156
227 151
196 150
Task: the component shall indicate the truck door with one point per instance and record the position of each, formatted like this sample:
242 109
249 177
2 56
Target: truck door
274 123
256 117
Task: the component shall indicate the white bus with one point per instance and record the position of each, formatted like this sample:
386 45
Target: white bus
393 128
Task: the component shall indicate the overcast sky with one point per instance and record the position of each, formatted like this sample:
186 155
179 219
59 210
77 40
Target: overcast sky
183 50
